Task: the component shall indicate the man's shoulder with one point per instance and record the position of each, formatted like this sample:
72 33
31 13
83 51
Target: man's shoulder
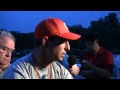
106 51
57 65
25 59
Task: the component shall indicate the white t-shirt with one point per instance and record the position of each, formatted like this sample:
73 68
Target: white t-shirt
23 68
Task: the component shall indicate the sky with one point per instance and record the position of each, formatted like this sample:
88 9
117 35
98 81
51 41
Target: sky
26 21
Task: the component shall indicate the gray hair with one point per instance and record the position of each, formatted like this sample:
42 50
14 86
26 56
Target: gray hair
4 32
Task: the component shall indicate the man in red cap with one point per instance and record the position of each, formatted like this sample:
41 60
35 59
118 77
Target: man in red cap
51 44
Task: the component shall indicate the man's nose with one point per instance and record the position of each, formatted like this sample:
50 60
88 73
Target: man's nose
67 47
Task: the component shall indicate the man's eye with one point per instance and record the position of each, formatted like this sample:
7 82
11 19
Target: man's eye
4 48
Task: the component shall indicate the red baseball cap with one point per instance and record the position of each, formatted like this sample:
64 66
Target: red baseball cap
54 27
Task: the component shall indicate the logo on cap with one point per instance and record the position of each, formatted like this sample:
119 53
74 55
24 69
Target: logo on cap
65 25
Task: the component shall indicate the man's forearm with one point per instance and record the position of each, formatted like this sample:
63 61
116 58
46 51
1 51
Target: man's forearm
101 72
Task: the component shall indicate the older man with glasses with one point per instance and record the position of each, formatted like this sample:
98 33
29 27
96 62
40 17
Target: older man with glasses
7 45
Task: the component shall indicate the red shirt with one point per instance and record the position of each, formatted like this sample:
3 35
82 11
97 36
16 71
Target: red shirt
104 59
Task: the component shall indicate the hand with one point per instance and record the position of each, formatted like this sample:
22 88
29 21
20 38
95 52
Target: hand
86 64
74 70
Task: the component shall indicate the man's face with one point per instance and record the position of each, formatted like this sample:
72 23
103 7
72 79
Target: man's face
89 45
6 47
59 47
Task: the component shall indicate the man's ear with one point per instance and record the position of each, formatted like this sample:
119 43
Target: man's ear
44 40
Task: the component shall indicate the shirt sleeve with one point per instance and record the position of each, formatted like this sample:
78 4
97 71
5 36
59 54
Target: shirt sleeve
62 72
13 74
65 74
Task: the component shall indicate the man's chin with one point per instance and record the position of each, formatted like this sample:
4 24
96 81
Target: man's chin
60 59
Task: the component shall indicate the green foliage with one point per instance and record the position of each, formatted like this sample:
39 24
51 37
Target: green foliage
107 29
23 40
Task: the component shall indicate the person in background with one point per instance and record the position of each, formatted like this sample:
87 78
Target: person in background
75 69
51 44
97 62
7 46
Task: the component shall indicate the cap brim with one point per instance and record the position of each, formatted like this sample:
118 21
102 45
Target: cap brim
70 36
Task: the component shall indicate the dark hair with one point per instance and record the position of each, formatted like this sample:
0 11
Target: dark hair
89 36
38 42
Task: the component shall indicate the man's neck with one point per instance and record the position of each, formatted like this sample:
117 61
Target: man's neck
39 60
96 51
3 67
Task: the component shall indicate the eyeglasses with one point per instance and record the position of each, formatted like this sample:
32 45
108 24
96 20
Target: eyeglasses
5 49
